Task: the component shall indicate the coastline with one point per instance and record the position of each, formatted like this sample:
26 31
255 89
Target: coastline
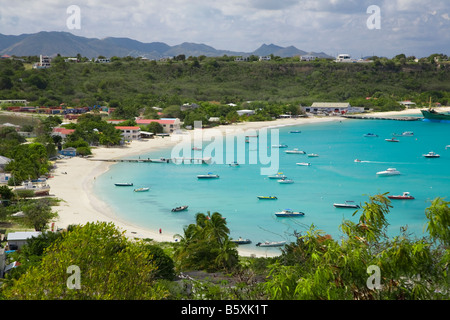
76 186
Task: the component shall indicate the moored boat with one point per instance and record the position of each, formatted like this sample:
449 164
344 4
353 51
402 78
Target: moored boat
295 151
303 163
285 180
141 189
404 134
311 155
389 172
289 213
295 131
180 208
208 176
431 154
392 140
404 196
434 116
241 241
271 244
348 204
279 146
267 198
123 184
279 175
371 135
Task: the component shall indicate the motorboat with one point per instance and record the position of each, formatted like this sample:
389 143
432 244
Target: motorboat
279 146
431 154
289 213
141 189
208 176
347 204
271 244
311 155
303 163
160 160
357 160
279 175
404 134
180 208
404 196
267 198
371 135
234 164
389 172
123 184
392 140
295 131
241 241
295 151
286 181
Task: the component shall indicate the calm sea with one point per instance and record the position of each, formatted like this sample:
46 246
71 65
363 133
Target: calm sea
333 177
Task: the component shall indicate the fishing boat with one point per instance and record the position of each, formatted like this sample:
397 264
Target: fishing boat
279 175
241 241
271 244
141 189
289 213
431 154
389 172
347 204
371 135
404 196
267 198
303 163
286 181
208 176
392 140
404 134
181 208
434 116
295 131
295 151
279 146
123 184
311 155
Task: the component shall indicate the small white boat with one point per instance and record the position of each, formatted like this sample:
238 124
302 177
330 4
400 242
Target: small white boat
141 189
303 163
447 147
234 164
289 213
181 208
279 175
208 176
389 172
431 154
160 160
271 244
295 151
286 181
313 155
295 131
279 146
392 140
347 204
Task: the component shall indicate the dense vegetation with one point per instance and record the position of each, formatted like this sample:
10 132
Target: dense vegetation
134 84
364 265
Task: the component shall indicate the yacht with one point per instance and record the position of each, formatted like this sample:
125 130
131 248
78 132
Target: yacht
404 196
289 213
347 204
389 172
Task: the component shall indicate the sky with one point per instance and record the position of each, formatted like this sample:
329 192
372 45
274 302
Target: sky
356 27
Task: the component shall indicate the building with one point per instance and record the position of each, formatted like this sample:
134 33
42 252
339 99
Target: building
15 102
129 132
408 104
344 57
3 162
332 107
308 58
245 112
62 132
264 58
169 125
17 239
44 62
68 152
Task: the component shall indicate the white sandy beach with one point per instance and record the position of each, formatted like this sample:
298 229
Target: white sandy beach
75 185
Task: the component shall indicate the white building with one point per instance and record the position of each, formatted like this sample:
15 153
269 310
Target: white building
44 62
245 112
332 107
18 239
130 132
344 57
169 125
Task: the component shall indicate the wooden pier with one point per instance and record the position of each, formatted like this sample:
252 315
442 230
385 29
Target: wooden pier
160 160
381 118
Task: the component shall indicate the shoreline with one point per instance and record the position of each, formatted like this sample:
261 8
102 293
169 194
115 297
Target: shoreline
76 189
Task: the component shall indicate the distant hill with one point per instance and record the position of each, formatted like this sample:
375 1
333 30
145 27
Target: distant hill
68 44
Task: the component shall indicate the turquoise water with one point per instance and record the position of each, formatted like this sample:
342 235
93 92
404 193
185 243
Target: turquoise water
332 177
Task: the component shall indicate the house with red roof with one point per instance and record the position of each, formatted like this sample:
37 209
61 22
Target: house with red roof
62 132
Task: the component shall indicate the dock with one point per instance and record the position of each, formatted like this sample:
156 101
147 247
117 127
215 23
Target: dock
159 160
382 118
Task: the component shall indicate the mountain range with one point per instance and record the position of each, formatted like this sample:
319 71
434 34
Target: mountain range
68 45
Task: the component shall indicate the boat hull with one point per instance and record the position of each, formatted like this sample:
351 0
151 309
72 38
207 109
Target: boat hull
401 197
435 116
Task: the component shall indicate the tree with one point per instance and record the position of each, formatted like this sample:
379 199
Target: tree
155 127
38 214
438 225
110 268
